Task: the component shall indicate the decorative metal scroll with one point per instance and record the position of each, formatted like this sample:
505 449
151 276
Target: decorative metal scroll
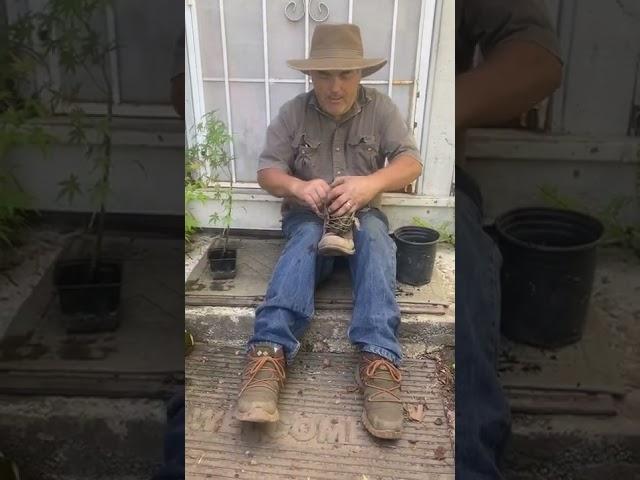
318 11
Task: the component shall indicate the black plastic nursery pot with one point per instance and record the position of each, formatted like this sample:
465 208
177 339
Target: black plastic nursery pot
416 253
549 260
89 301
222 262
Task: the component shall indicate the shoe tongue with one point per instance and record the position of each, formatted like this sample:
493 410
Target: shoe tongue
372 357
382 372
261 350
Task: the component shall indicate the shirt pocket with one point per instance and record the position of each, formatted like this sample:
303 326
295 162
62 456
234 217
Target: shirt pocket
363 154
305 156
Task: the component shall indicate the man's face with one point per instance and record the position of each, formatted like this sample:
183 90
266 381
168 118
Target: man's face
336 90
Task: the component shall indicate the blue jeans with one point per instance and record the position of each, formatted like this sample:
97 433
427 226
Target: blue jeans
482 412
173 467
289 303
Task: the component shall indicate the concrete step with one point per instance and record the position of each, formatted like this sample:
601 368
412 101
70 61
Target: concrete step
565 447
70 438
327 332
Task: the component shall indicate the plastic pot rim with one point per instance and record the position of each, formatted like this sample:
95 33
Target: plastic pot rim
211 251
548 248
394 234
76 286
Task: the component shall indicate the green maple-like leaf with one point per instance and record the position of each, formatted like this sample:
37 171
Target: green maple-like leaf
69 188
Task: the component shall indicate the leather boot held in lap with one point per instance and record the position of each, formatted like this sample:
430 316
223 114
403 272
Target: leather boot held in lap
337 239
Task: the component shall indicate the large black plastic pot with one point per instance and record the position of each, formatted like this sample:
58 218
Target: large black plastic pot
549 259
89 301
416 253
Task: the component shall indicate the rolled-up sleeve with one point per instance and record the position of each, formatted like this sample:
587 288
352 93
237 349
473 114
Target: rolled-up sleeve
492 22
278 151
396 139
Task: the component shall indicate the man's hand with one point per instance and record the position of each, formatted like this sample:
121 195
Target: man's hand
312 193
280 184
350 194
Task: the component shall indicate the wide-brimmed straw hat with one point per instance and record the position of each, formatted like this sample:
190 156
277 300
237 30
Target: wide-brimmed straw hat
337 47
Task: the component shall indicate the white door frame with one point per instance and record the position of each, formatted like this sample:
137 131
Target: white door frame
253 208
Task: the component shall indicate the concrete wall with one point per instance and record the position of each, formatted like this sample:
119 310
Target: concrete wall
258 210
589 173
147 174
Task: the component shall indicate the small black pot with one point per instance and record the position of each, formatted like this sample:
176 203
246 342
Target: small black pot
90 303
549 260
416 254
222 262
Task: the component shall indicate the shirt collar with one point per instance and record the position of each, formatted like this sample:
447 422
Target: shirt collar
362 99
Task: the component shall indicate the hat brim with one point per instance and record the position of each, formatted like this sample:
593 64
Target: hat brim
367 65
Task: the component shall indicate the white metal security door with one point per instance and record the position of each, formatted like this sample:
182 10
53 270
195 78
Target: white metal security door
237 49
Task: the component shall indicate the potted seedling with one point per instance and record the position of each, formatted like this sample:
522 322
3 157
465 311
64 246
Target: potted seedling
88 282
207 162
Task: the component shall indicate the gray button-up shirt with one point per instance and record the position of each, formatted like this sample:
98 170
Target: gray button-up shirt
308 143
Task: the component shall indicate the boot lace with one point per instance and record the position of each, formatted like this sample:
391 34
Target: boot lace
370 371
339 224
268 364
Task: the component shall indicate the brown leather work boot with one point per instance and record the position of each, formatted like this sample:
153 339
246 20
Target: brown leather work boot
337 239
262 379
379 380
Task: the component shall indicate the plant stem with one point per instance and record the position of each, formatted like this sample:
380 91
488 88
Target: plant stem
105 178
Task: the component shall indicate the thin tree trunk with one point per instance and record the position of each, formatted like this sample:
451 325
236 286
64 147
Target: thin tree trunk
104 182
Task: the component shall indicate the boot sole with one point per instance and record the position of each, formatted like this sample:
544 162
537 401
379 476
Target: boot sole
384 434
258 415
334 252
328 248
